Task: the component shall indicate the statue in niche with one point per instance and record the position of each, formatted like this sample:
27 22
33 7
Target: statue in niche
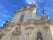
39 36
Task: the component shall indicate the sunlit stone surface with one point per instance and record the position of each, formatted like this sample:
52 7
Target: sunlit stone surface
27 25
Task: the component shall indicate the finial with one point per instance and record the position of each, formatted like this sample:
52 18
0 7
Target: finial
44 12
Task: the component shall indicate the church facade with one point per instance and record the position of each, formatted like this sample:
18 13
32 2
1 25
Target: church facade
27 25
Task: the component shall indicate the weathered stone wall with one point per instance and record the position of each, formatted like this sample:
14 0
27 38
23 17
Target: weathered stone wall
26 32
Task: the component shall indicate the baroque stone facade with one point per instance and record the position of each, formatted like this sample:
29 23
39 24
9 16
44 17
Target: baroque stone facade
27 25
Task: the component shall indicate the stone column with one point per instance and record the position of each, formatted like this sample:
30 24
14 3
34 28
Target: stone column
46 34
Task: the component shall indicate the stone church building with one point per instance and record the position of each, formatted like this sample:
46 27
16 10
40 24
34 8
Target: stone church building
27 25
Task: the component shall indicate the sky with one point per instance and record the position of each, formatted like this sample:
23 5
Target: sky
9 7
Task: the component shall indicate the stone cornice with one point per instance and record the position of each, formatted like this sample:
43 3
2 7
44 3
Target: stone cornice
36 22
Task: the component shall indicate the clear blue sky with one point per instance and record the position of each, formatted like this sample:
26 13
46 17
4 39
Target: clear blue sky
8 8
